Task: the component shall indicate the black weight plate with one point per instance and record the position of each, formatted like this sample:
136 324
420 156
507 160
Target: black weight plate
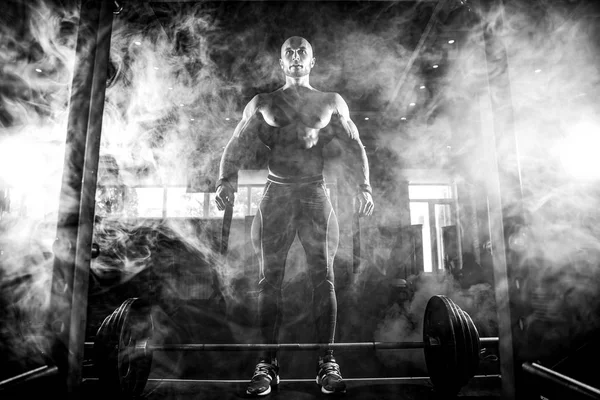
440 348
134 364
462 346
475 343
104 351
122 369
469 346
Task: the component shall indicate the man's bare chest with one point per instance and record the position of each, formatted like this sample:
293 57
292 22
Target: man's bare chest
312 112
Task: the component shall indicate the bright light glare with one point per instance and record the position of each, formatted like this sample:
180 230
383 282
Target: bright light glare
579 152
30 169
20 162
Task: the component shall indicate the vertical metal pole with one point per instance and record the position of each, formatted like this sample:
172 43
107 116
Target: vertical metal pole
72 248
505 198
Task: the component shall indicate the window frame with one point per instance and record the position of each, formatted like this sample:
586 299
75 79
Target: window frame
436 249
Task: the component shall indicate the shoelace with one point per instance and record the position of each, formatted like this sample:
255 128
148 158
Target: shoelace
264 369
329 368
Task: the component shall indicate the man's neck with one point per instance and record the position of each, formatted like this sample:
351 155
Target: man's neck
291 82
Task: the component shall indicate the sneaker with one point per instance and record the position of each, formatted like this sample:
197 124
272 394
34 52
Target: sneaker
265 376
329 376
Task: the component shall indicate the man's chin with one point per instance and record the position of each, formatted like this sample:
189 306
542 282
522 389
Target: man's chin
297 73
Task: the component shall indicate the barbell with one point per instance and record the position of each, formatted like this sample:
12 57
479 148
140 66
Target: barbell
123 347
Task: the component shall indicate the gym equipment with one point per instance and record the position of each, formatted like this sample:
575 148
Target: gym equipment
123 347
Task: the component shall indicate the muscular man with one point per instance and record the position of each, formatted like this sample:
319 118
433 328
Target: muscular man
295 122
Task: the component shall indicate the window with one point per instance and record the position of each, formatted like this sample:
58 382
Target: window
181 204
426 192
256 193
432 207
176 202
150 202
240 204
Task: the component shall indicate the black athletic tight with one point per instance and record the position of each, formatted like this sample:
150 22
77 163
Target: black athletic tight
288 209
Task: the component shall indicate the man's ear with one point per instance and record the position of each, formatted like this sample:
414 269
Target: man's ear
312 62
281 63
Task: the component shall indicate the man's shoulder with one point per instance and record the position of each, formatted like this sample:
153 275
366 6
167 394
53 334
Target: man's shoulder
259 101
262 99
325 94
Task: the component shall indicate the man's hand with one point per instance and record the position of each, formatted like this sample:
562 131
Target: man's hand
365 204
225 196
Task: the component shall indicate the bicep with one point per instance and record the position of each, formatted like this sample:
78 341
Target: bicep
348 130
248 125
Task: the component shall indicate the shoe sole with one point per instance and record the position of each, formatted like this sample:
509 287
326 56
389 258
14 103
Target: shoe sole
266 392
325 391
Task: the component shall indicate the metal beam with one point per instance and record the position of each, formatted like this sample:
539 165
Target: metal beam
67 316
505 197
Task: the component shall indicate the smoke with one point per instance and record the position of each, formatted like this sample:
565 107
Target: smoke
36 58
549 97
179 75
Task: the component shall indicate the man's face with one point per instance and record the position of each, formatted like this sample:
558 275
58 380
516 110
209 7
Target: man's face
296 57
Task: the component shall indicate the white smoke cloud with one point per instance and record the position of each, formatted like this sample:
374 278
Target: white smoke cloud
551 76
164 74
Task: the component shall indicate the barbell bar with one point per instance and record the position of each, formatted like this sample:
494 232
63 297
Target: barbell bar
123 347
486 342
147 346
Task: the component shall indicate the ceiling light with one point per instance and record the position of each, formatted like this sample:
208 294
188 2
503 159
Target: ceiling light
38 70
451 41
366 118
537 71
412 104
156 68
181 105
435 66
227 119
191 119
422 87
137 43
170 88
403 118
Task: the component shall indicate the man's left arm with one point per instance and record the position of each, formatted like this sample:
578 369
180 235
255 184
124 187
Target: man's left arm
350 137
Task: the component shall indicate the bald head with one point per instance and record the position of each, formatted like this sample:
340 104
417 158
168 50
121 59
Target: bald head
296 57
296 41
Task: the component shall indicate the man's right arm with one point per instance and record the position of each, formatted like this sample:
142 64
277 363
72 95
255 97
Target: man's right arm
236 151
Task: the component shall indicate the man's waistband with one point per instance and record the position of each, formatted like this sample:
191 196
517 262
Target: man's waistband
295 180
